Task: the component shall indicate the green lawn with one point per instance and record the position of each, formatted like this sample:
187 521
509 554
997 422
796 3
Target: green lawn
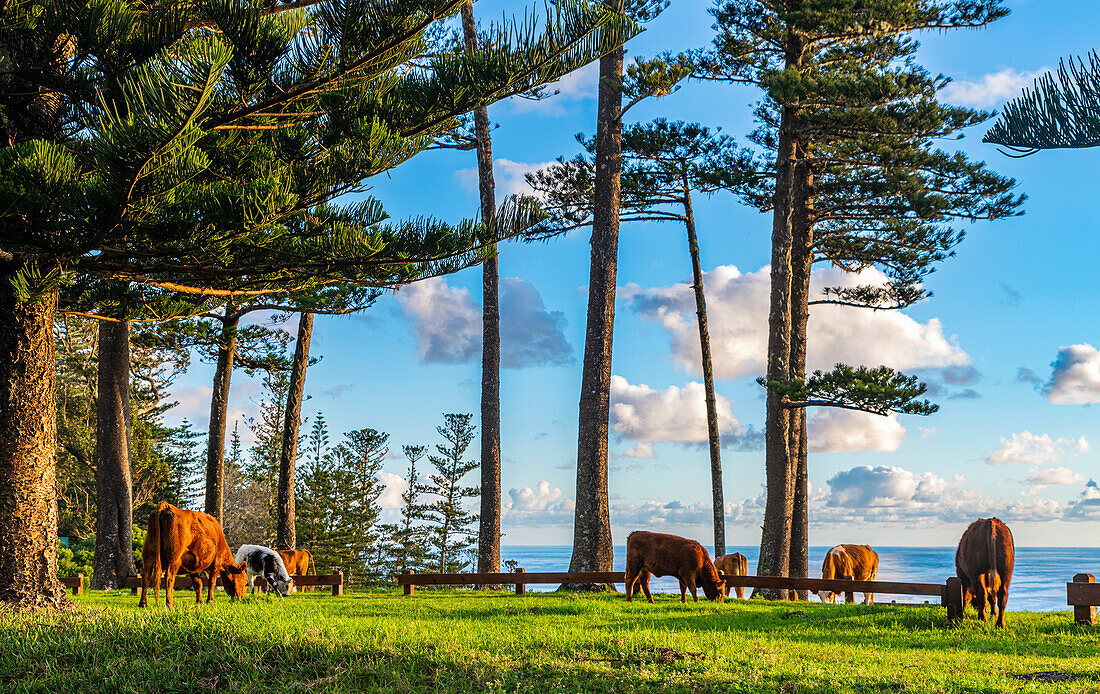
460 641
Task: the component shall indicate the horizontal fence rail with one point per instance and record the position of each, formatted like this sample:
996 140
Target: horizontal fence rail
75 582
186 582
520 578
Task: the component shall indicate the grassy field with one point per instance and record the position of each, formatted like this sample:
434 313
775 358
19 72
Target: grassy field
460 641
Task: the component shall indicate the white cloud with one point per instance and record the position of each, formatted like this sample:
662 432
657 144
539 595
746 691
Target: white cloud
679 415
1075 378
737 306
508 177
1035 449
542 505
991 89
395 486
1087 505
641 449
1057 475
448 330
578 85
832 430
869 487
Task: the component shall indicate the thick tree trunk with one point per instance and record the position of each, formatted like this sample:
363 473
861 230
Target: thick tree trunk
219 404
114 551
708 380
776 537
592 550
801 265
488 539
28 440
288 455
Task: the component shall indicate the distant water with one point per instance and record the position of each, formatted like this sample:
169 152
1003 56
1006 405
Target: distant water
1038 581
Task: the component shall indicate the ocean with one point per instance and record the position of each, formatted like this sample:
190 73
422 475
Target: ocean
1038 581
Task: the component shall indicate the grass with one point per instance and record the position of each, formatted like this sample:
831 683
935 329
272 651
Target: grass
462 641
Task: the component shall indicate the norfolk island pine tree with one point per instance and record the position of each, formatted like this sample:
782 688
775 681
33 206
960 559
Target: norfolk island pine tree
147 149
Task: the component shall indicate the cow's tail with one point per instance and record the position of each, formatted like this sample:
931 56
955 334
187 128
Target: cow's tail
310 563
166 518
994 573
152 535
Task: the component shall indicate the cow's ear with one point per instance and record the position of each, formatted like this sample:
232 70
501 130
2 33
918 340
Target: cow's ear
237 568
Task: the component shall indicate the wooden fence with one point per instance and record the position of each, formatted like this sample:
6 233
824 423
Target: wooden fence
185 582
949 593
75 582
1083 594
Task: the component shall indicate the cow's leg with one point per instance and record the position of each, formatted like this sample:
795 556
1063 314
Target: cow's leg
849 598
683 592
1002 600
645 586
982 596
868 598
196 581
740 592
631 584
170 583
691 586
212 578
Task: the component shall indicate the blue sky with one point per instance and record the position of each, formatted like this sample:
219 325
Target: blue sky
1008 340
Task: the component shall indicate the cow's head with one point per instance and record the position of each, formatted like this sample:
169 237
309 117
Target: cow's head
235 580
827 596
282 586
715 590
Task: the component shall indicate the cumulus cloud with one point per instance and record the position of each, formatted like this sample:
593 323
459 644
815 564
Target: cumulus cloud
641 449
737 306
544 504
1087 505
676 414
832 430
886 494
1035 449
394 487
1075 379
509 177
990 89
1051 476
448 330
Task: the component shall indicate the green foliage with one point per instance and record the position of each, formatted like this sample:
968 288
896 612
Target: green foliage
453 530
77 557
878 390
407 540
1059 111
191 150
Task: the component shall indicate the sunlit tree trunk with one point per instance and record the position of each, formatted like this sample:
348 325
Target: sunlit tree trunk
219 406
288 456
28 440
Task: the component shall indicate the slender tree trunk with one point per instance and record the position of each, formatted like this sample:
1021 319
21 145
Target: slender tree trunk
114 550
288 456
28 440
708 380
488 539
801 264
219 404
592 549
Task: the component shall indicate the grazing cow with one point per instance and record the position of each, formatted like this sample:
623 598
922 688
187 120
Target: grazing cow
733 565
668 555
984 563
858 561
266 562
191 542
297 563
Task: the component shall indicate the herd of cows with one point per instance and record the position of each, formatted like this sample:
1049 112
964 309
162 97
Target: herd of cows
983 561
191 542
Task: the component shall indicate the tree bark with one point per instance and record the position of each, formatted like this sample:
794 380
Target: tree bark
592 549
718 501
219 404
114 550
801 266
28 440
488 539
285 537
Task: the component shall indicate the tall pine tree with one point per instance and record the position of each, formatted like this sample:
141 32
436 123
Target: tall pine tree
452 524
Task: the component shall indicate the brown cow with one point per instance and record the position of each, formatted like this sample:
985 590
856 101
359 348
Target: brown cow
858 561
668 555
733 565
297 563
984 563
191 542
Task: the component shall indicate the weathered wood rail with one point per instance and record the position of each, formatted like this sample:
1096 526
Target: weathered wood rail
949 592
185 582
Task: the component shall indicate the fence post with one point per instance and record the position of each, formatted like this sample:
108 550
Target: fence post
849 596
338 587
1084 614
521 588
410 589
953 598
78 589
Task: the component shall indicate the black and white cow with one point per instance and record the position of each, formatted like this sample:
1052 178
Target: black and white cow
266 562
